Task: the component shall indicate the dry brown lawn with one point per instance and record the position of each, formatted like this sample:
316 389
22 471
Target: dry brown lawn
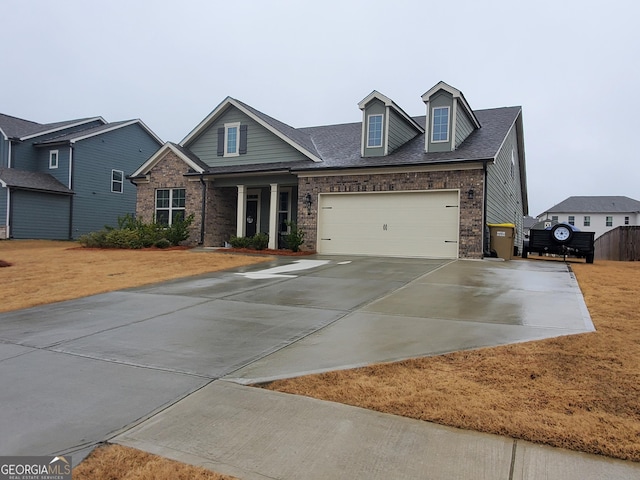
43 272
580 392
115 462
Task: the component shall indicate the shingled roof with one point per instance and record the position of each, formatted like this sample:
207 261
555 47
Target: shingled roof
43 182
339 146
602 204
14 127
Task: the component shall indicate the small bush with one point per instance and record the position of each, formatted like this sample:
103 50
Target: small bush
240 242
94 239
294 238
123 239
179 230
260 241
162 243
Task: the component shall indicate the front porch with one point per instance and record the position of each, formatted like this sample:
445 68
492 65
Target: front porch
248 208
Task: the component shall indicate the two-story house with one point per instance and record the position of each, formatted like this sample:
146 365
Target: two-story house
62 180
597 214
391 184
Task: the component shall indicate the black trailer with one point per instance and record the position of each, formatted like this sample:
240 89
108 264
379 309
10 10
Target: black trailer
561 239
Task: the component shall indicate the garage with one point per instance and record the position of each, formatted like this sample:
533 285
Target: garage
403 224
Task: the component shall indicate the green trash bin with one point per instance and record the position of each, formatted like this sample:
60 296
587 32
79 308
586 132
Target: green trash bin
502 239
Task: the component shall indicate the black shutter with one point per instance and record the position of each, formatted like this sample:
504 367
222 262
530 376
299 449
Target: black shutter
243 140
221 141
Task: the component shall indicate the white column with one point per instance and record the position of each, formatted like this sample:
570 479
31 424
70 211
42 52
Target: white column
241 224
273 217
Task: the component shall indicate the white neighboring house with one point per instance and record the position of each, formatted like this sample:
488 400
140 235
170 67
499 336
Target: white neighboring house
595 214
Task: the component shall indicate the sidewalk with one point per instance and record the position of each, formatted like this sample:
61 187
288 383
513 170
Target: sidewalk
253 433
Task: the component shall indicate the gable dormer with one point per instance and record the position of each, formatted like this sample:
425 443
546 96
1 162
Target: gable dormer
449 120
385 126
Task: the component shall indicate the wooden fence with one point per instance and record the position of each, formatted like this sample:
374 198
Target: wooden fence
622 243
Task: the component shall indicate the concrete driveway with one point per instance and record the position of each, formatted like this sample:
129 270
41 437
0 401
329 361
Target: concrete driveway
75 373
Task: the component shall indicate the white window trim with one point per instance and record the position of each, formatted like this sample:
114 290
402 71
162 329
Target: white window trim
53 165
170 208
113 180
433 116
227 126
369 130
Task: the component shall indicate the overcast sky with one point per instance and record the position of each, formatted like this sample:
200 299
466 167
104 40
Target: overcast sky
573 66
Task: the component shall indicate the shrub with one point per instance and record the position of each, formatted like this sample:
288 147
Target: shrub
162 243
260 241
179 230
240 242
134 233
123 239
294 238
94 239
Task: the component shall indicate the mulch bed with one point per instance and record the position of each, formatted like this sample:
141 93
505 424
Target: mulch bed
266 251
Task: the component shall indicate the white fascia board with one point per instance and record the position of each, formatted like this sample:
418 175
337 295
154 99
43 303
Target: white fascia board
155 158
390 104
62 127
4 135
206 122
230 101
116 127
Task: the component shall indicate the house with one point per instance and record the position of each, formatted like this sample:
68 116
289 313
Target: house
391 184
62 180
597 214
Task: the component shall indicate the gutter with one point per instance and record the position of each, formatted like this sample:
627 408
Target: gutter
71 188
204 204
484 210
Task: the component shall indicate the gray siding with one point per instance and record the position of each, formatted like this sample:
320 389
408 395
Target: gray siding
62 172
262 145
94 205
400 132
25 157
504 191
440 99
375 107
3 206
4 152
463 126
39 215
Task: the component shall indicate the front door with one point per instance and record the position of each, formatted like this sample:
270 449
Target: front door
252 215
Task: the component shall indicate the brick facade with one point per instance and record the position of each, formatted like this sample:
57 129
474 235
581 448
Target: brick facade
169 173
221 203
220 221
471 224
3 232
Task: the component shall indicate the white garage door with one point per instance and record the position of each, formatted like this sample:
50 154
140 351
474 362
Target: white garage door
410 224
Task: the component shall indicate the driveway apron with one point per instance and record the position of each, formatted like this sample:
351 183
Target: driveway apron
77 372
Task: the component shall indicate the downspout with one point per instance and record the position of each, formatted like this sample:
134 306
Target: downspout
204 203
484 210
7 233
71 188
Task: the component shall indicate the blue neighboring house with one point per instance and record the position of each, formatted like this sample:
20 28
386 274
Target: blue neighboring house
61 180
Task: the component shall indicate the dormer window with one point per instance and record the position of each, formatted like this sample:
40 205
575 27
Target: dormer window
231 139
374 132
440 125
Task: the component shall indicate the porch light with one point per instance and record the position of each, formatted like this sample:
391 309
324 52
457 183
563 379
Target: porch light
307 203
470 194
